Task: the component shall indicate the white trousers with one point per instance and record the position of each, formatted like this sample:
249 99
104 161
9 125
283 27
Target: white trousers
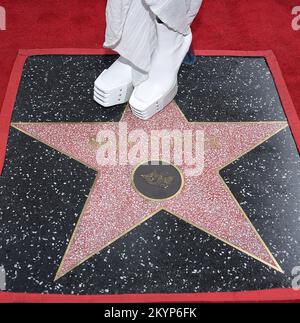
130 27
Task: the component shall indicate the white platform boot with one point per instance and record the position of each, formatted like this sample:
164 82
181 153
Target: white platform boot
114 85
160 88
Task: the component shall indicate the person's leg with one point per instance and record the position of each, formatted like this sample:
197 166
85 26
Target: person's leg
174 40
132 36
130 32
176 14
190 58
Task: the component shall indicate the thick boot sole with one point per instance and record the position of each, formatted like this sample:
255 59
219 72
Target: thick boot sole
145 111
117 96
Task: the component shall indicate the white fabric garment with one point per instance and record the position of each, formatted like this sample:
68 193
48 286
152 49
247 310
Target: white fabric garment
131 27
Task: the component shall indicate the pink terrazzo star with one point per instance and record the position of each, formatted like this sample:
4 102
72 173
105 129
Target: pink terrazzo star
114 207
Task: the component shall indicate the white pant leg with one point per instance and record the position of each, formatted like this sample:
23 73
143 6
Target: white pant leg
116 13
176 14
132 34
131 28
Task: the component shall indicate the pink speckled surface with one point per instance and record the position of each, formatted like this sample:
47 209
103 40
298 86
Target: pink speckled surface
114 207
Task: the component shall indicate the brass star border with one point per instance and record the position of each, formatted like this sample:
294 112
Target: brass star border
57 276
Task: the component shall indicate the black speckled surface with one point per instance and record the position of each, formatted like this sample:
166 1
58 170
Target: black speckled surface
42 191
266 182
60 88
228 89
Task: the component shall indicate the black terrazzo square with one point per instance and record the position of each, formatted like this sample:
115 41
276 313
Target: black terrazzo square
42 192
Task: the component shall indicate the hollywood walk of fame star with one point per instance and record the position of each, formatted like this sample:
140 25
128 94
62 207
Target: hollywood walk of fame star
113 207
